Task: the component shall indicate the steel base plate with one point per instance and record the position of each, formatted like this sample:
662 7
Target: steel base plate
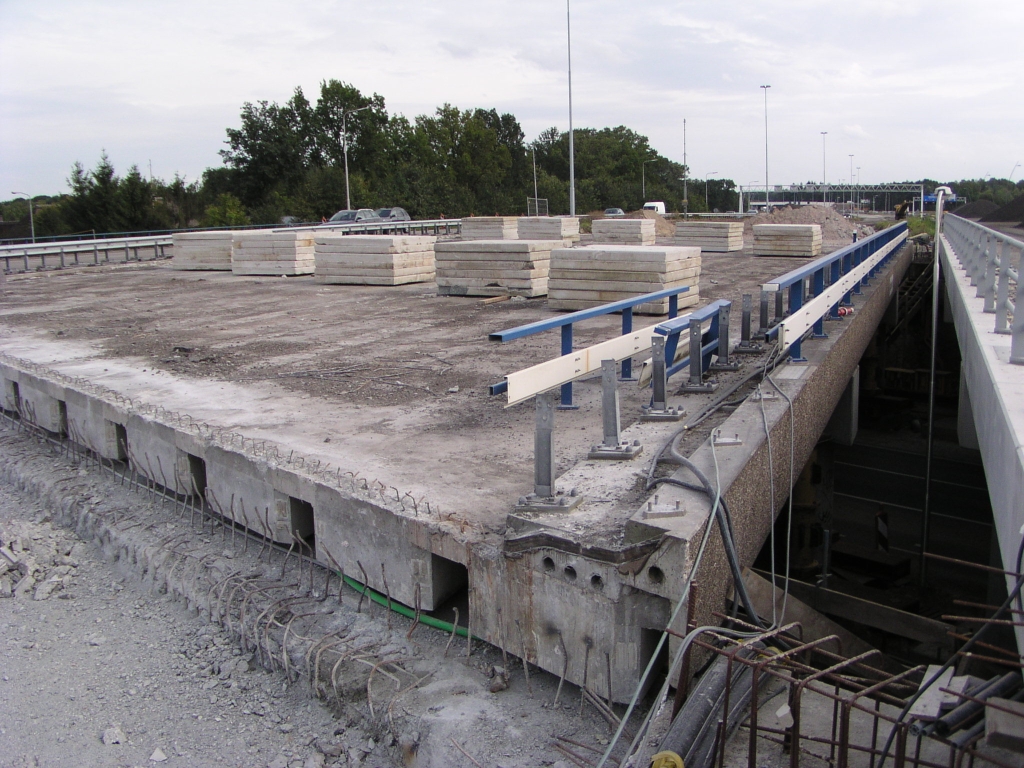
534 503
620 452
670 414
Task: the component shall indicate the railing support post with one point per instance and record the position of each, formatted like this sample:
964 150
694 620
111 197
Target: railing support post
566 402
627 327
544 496
612 446
724 363
763 315
658 410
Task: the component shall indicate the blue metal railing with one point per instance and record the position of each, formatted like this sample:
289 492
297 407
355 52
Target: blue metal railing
565 322
812 279
711 339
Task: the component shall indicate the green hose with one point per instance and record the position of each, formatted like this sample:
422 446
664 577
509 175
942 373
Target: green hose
380 599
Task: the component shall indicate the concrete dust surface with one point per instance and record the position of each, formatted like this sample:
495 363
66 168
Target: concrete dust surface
117 667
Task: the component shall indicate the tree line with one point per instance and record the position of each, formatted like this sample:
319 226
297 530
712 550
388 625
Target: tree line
288 160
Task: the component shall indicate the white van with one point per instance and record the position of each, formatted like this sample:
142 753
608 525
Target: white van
656 207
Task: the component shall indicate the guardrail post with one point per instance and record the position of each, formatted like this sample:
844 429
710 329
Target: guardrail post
62 264
723 363
817 288
658 410
26 259
612 447
42 256
627 327
127 257
566 403
796 300
988 286
673 305
763 315
1017 327
544 447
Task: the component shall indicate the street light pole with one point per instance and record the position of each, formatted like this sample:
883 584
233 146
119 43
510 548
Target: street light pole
824 177
706 203
572 153
851 181
535 180
765 89
31 220
344 142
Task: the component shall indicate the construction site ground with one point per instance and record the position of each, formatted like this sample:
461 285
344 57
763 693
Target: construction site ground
388 382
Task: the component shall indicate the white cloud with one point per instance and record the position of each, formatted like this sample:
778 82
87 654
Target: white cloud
161 80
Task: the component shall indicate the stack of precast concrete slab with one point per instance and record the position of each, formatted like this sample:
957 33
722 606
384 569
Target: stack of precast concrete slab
493 267
272 253
490 228
711 236
202 250
797 240
564 228
598 274
624 231
373 259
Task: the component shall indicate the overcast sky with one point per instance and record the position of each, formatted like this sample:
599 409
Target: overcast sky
912 89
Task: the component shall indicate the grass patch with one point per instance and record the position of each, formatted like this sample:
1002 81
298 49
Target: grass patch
916 225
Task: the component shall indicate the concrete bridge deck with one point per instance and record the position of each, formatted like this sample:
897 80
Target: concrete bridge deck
332 411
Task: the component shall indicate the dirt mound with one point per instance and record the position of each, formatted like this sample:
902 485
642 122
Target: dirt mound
976 210
662 226
1012 211
834 226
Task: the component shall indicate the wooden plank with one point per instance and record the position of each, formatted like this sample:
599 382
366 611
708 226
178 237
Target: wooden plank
524 384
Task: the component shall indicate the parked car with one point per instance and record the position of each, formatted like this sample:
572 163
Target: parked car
394 214
354 217
614 213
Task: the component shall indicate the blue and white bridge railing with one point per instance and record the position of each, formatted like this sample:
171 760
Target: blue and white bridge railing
817 290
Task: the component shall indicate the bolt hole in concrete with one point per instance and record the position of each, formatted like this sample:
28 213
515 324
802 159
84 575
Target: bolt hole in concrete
549 564
596 582
655 574
570 573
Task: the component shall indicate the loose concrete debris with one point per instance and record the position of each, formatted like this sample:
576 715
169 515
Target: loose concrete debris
597 274
624 231
373 259
35 562
490 228
798 240
202 250
564 228
711 236
272 253
114 735
494 267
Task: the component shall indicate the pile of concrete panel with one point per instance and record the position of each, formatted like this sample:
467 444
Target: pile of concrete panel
624 231
798 240
494 267
373 259
202 250
711 236
490 228
564 228
598 274
272 253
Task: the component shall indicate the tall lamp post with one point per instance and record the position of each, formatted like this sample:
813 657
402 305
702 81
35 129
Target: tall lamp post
824 177
851 182
765 89
344 139
572 153
31 219
706 203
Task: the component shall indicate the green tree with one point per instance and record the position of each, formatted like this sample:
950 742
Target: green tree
225 211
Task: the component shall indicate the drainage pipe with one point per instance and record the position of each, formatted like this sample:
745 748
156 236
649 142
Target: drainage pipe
380 599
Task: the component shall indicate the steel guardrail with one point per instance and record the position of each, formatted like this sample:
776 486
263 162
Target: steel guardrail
986 256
